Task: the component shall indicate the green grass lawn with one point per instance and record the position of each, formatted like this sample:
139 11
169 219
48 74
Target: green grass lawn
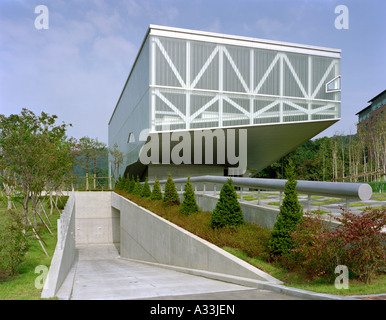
22 286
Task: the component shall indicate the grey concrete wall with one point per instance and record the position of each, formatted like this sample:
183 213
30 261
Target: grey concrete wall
63 258
148 237
95 222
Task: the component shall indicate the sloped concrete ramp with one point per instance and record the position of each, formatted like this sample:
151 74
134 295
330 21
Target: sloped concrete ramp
100 274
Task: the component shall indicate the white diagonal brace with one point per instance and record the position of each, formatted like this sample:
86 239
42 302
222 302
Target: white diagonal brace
266 108
327 106
332 64
237 71
266 74
170 105
238 107
294 105
170 62
203 108
204 67
299 83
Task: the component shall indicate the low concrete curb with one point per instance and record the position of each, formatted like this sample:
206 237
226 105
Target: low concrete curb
252 283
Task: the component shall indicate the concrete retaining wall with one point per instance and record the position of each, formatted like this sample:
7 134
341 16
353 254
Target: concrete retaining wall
96 222
148 237
63 258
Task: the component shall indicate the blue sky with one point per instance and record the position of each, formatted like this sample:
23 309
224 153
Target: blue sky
77 68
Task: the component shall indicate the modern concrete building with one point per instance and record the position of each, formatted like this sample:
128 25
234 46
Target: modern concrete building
259 98
371 127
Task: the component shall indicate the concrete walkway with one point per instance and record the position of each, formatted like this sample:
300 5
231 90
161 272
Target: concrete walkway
100 274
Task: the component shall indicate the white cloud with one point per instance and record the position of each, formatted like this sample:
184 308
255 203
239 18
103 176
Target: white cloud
271 28
114 50
215 26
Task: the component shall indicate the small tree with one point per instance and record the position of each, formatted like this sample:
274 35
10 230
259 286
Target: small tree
171 196
117 159
227 211
14 243
127 184
156 194
146 192
363 244
120 184
131 185
290 215
86 149
189 204
138 187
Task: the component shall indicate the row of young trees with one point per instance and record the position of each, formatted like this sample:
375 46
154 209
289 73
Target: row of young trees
35 155
37 158
92 162
300 242
350 158
170 197
226 213
88 152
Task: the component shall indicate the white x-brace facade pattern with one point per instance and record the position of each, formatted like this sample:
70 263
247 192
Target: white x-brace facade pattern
305 105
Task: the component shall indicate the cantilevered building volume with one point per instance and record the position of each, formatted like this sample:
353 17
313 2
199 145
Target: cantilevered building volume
185 83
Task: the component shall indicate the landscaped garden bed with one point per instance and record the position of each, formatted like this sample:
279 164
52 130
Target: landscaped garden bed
253 244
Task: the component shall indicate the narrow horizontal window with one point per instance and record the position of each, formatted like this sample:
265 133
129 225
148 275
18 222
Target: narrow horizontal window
333 85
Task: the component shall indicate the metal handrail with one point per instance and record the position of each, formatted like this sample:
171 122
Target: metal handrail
348 191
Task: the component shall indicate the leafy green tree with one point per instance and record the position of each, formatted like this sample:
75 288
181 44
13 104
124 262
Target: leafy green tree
227 211
97 150
14 244
156 193
171 196
290 216
35 153
138 187
86 149
117 159
146 192
189 204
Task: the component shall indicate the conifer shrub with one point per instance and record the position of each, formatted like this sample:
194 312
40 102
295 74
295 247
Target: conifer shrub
189 204
156 193
290 216
171 196
119 184
130 189
127 183
146 192
137 187
227 211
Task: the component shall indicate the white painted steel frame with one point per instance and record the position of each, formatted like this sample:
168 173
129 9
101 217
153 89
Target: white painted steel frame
187 86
